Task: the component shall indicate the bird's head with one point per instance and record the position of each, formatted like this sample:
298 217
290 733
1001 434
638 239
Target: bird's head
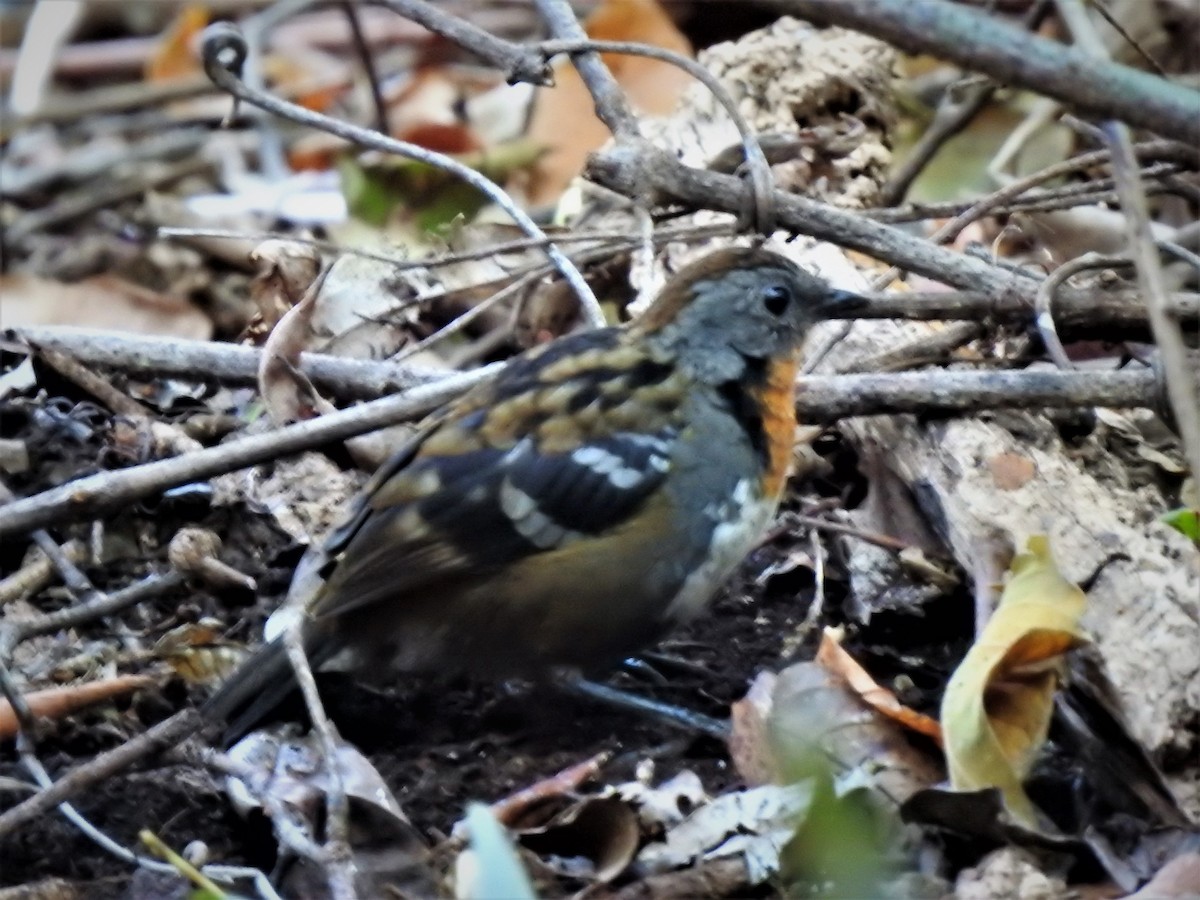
740 304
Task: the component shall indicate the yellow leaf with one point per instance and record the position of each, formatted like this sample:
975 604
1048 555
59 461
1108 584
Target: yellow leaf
996 710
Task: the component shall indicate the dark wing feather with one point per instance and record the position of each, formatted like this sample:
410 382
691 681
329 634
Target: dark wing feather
495 481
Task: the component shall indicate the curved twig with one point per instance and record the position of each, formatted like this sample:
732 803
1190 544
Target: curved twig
756 160
1044 317
223 50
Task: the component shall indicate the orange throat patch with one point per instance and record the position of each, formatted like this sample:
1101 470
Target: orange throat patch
778 404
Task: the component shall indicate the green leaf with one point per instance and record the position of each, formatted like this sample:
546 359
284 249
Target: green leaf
497 871
379 188
1184 520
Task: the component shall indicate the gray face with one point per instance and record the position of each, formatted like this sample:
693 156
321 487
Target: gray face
747 313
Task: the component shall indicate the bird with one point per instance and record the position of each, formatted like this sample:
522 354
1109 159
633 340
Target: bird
571 511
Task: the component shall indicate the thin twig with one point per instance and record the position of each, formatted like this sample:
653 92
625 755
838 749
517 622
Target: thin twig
982 207
224 51
1046 296
337 861
921 351
1182 392
77 583
163 735
461 322
756 160
109 491
1097 190
368 63
1120 29
14 631
886 541
960 104
954 113
620 240
37 573
349 379
519 63
1182 253
611 107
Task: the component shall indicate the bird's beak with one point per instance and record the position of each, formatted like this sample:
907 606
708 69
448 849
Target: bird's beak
837 304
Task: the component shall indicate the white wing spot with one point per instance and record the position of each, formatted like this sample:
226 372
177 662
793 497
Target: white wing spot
621 476
623 479
515 503
597 459
530 522
541 531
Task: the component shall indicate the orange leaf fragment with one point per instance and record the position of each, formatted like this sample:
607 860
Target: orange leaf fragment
175 56
59 702
834 658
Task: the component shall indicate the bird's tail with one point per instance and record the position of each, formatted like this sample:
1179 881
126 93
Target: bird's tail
256 688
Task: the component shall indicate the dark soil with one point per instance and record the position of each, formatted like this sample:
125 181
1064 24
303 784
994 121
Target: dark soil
437 746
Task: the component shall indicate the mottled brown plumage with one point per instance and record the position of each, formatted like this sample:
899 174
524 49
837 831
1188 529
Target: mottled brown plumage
596 493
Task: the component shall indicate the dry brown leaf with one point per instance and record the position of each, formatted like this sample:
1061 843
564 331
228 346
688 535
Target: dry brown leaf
509 810
198 653
807 707
287 392
104 301
601 830
996 710
563 120
749 737
833 656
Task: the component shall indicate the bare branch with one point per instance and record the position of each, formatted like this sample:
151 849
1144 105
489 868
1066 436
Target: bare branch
827 398
163 735
983 43
1181 386
109 491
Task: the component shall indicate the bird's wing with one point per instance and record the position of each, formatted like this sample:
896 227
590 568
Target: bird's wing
566 443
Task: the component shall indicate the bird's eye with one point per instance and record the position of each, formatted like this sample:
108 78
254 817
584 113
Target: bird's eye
776 298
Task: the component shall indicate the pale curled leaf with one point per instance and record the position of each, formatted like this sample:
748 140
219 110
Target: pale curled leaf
286 269
754 824
996 710
292 774
288 393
